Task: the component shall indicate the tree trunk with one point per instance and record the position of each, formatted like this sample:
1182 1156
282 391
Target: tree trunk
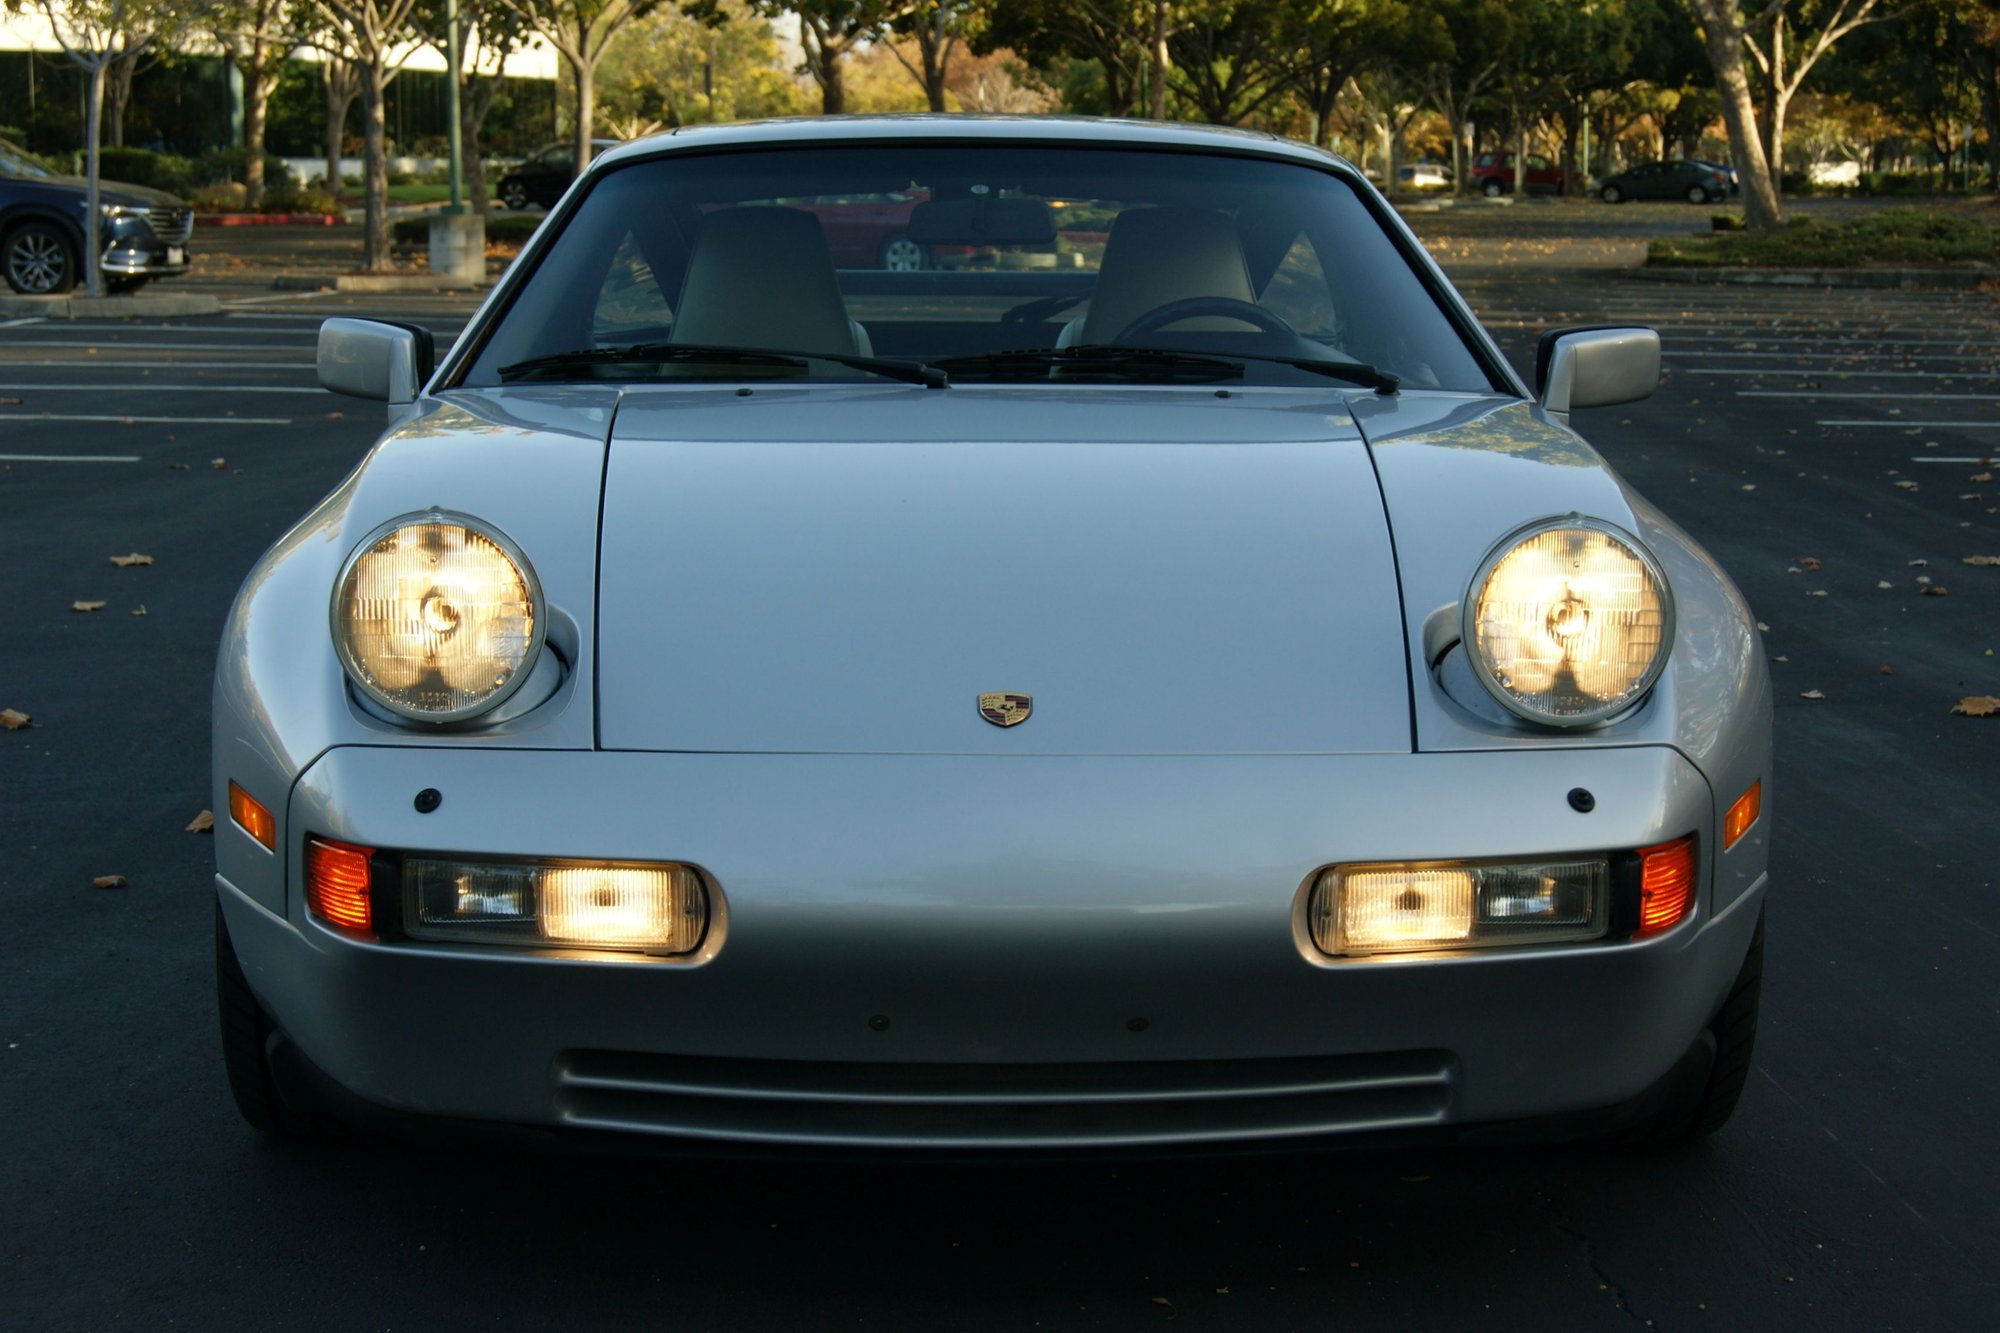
375 198
1722 34
586 110
832 87
118 93
1774 149
93 220
1157 53
338 85
256 97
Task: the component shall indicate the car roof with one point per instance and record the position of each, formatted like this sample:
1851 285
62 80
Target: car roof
812 130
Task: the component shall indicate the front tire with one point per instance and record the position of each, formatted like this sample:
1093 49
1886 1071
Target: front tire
1702 1110
1611 194
1697 194
39 259
514 195
1493 189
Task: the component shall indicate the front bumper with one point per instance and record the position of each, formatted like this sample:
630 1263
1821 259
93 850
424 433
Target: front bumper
953 951
153 245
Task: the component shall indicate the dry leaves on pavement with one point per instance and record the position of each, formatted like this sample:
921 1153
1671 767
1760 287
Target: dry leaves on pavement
109 882
1809 561
139 610
1977 705
14 721
87 606
202 823
127 561
1812 694
1934 590
1983 561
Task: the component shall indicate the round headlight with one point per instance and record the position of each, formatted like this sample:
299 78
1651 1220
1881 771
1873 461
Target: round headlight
437 617
1568 622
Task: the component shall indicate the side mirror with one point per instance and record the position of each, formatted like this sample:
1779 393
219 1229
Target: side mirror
1596 367
367 358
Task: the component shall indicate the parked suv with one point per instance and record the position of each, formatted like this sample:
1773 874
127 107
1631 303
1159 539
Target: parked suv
144 231
1493 175
542 178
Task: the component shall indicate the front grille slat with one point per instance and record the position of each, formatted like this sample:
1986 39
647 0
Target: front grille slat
971 1106
172 225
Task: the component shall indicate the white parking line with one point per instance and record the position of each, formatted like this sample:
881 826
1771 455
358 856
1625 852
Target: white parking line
20 323
1933 458
157 389
1837 372
116 346
1831 356
7 363
150 421
1919 425
69 458
1873 397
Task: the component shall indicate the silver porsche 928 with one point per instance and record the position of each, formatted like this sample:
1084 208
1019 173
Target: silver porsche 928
1140 669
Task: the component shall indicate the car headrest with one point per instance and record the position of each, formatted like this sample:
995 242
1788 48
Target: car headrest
1157 255
762 277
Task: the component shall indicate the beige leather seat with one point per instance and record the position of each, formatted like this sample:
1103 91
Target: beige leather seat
763 277
1158 255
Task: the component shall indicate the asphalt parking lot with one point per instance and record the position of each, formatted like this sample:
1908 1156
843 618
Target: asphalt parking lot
1832 448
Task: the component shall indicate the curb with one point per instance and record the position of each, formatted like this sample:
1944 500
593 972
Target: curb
134 305
374 282
1951 278
269 220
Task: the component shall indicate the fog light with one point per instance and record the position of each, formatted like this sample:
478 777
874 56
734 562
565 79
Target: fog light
1387 908
655 908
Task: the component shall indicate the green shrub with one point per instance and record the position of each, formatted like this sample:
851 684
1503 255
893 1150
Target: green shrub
1898 236
141 166
218 166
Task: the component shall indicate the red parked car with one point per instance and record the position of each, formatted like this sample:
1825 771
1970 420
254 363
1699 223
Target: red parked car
1492 175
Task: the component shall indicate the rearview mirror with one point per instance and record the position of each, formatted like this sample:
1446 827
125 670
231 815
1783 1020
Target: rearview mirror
1596 367
982 221
370 358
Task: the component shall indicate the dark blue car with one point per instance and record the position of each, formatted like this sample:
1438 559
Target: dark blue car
144 231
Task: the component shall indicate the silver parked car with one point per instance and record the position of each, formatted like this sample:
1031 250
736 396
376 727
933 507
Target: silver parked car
1154 676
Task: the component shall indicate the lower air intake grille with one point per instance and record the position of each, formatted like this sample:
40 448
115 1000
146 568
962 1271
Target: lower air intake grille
1001 1106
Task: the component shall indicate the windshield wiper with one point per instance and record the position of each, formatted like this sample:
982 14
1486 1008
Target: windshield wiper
1100 359
1354 372
657 353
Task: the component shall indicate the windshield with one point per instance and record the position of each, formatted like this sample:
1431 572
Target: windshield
18 161
998 264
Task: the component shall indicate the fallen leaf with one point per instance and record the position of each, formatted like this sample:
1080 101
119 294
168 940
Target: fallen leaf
1934 590
127 561
13 720
1919 564
1977 705
138 610
1762 628
205 821
1980 477
1973 495
109 882
1885 670
218 463
1906 485
1812 694
1793 569
10 402
1809 561
86 606
1884 583
1981 560
1817 592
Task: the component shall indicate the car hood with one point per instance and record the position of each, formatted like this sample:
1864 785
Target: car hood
118 192
847 570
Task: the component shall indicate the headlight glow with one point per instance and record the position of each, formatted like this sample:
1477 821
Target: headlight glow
437 617
1568 622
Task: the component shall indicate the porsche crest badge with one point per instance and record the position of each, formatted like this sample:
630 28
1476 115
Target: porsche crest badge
1004 710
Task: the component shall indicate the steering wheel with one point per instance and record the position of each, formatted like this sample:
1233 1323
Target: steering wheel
1228 307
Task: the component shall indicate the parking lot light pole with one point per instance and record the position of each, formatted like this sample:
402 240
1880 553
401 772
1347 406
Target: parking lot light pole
454 63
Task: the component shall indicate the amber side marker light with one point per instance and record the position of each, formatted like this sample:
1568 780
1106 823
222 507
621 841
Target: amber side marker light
337 885
1666 885
1742 814
252 818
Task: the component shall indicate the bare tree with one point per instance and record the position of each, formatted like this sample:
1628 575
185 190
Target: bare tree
936 27
580 30
379 33
1722 34
339 85
257 37
1784 51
